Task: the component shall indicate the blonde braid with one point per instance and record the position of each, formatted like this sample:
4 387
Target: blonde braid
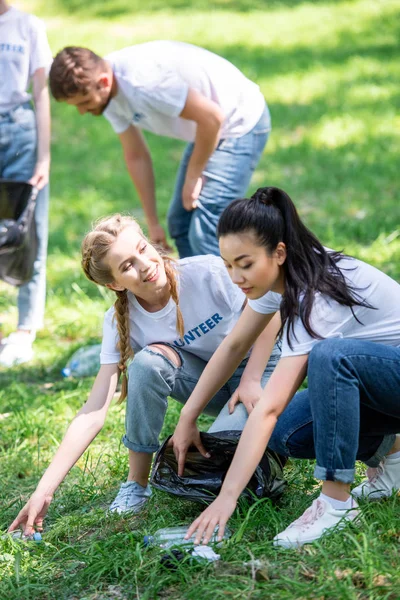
121 306
173 284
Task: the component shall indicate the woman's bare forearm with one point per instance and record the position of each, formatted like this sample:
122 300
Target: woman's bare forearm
81 432
261 351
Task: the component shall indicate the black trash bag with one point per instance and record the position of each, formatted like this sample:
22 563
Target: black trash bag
18 237
203 477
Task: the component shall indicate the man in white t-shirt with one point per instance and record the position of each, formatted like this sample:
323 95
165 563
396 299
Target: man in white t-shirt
180 91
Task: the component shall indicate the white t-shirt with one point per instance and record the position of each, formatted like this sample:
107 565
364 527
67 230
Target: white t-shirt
332 320
210 303
23 50
153 82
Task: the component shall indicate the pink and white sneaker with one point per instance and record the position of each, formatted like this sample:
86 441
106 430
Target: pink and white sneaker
319 519
382 482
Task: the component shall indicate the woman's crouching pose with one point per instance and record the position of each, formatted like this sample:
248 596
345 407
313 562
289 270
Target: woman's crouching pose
169 318
341 327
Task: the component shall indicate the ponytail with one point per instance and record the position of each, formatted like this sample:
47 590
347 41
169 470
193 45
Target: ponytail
309 268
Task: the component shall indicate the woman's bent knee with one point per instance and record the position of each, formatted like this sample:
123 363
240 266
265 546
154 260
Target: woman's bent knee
154 358
168 352
325 352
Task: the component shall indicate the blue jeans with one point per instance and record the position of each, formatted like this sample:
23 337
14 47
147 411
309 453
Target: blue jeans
226 177
18 148
153 377
350 411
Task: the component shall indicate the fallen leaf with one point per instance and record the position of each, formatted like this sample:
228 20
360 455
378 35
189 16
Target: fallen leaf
262 575
308 573
343 573
382 581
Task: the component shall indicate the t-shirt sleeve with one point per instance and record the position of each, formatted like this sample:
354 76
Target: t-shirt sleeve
40 55
267 304
119 123
223 287
109 352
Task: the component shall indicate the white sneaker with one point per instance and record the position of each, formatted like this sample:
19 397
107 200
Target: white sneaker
317 520
381 482
16 349
131 498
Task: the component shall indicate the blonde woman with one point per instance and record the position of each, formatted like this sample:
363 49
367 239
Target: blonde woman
170 317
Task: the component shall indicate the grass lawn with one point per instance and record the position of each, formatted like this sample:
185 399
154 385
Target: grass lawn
329 71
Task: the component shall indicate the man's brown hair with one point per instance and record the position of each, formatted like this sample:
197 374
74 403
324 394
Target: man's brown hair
73 72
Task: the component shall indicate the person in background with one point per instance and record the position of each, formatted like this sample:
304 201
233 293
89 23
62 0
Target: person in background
25 60
180 91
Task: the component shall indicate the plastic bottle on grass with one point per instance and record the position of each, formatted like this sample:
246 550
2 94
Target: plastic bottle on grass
18 535
84 362
175 536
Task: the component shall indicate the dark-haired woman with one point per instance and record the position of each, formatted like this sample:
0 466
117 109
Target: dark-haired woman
341 327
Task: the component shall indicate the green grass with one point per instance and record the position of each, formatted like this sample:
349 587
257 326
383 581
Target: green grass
329 71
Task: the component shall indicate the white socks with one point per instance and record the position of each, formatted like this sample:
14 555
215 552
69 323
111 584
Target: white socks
337 504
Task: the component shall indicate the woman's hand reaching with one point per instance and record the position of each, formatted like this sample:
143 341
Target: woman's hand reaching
32 514
216 515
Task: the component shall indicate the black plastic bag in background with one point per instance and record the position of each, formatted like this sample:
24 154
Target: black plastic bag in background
203 477
18 237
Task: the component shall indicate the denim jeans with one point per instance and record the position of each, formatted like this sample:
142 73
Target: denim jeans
226 177
153 377
350 411
18 148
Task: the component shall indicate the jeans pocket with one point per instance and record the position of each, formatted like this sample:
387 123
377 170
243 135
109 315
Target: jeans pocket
24 119
262 132
224 143
235 145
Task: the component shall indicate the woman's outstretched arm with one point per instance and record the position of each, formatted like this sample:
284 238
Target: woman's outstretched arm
81 432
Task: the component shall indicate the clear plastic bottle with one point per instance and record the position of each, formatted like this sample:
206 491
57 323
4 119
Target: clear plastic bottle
175 536
18 535
84 362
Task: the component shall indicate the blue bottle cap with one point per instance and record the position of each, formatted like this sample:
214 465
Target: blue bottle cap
37 537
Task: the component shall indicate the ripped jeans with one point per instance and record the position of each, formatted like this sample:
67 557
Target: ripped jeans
153 377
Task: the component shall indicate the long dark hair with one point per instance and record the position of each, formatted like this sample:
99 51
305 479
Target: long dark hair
271 217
